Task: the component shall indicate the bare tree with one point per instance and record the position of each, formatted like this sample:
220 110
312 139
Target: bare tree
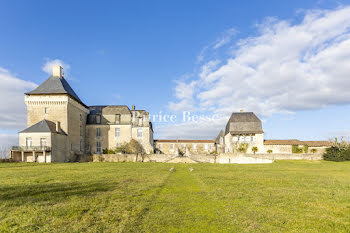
4 152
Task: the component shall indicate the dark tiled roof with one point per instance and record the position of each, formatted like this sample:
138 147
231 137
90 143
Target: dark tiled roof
43 126
106 110
55 85
297 142
221 134
243 123
283 142
317 143
184 141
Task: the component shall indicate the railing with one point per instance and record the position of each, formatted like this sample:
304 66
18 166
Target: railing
31 148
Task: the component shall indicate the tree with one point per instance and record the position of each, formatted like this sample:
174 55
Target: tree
243 147
134 147
269 151
255 149
313 150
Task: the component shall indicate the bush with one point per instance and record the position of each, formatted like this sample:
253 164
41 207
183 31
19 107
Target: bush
243 147
306 149
269 151
255 149
108 151
313 150
338 152
296 149
214 152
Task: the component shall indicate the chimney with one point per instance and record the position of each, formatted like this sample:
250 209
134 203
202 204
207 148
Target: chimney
57 71
133 107
58 126
241 110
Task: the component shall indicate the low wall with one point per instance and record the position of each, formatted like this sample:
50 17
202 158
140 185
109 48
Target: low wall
161 158
203 158
287 156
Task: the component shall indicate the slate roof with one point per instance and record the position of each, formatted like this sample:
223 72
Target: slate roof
43 126
221 134
55 85
243 123
106 110
297 142
184 141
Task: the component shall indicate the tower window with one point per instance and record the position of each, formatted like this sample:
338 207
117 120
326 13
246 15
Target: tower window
46 110
139 133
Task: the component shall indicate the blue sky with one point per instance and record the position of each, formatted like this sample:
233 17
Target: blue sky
161 55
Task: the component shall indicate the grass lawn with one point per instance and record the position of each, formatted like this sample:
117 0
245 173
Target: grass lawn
286 196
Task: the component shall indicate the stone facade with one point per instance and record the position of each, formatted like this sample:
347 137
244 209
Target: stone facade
61 127
185 147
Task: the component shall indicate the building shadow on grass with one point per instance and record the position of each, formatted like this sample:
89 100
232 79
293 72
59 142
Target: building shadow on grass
36 193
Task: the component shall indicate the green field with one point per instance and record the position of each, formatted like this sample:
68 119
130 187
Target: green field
286 196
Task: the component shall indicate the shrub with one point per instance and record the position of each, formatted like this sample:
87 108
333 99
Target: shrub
313 150
255 149
269 151
339 151
296 149
107 151
122 149
306 149
214 152
243 147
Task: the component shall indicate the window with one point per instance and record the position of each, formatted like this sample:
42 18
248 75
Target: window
117 145
98 132
221 140
117 132
140 121
81 131
139 133
81 145
98 119
160 146
206 147
46 110
28 142
81 117
184 146
71 147
171 146
194 146
211 147
98 147
42 142
117 118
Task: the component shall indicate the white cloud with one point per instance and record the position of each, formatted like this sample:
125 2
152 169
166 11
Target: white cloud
47 67
12 107
225 39
285 68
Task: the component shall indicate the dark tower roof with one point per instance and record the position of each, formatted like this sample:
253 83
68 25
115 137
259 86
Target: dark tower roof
55 85
243 123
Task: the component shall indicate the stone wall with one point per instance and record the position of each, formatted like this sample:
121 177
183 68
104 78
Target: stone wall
288 156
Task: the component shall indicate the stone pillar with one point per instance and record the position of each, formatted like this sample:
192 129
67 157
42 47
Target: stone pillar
22 153
33 156
44 152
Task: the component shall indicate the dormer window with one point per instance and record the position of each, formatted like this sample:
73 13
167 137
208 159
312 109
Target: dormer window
98 119
46 110
140 121
117 118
